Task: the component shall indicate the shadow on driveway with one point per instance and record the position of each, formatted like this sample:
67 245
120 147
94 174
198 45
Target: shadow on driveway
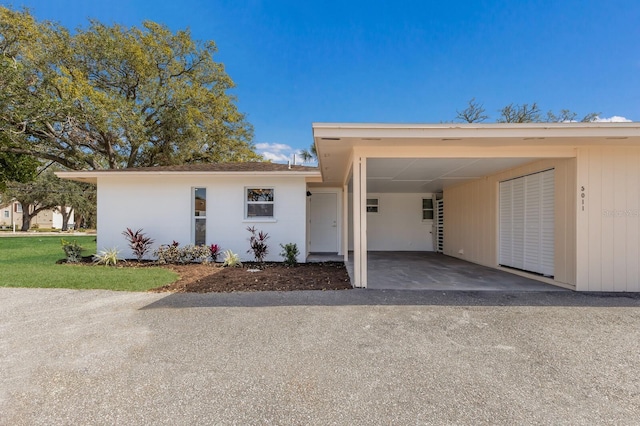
396 298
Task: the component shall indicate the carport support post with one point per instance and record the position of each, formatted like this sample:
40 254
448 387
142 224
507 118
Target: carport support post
360 221
345 223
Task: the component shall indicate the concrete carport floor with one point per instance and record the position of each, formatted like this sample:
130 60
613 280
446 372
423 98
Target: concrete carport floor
434 271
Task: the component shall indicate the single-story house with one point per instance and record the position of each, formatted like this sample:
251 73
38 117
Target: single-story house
557 202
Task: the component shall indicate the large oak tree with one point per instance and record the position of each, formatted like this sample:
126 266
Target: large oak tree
115 97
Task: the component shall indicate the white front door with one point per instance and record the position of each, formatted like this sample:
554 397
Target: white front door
323 234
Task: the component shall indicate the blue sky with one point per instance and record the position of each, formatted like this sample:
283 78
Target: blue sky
298 62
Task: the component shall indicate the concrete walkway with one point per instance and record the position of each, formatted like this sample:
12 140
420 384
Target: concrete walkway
435 271
350 357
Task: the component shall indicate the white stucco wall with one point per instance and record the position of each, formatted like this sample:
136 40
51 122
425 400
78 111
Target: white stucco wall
398 225
162 206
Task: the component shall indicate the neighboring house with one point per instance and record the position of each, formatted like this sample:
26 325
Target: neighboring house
12 213
556 202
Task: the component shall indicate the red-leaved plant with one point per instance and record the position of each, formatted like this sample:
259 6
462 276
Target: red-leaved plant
257 243
138 242
215 251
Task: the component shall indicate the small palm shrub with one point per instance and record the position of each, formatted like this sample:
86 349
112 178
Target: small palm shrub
290 253
138 241
231 259
72 250
258 244
107 257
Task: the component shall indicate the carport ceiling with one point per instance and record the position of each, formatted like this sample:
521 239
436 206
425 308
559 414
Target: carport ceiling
431 174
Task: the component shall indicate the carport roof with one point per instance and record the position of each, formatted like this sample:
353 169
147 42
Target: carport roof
335 142
232 168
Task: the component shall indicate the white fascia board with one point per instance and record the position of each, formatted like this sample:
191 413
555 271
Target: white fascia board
466 130
94 174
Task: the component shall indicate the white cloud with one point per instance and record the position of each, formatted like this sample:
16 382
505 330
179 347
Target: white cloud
613 119
273 147
276 152
276 158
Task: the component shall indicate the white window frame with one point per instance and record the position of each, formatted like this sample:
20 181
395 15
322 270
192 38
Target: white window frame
18 208
194 217
247 203
432 210
7 214
373 205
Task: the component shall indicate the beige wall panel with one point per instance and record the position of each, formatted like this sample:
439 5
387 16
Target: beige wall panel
619 190
633 226
606 238
471 217
594 220
612 223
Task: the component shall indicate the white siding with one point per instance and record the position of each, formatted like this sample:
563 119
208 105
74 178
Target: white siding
472 212
161 205
398 225
609 220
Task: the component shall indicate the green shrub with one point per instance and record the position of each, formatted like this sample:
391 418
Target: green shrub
72 250
290 253
173 253
231 259
107 257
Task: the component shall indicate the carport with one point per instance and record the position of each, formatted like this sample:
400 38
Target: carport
388 174
419 270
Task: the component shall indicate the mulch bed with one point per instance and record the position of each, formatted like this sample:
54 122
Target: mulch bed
197 278
207 278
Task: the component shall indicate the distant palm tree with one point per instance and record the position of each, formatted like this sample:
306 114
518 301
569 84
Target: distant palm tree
309 155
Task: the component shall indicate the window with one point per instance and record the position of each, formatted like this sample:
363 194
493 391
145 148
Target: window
259 203
199 216
372 205
6 213
427 209
17 208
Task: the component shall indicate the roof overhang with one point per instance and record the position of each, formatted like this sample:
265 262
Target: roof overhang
336 142
92 176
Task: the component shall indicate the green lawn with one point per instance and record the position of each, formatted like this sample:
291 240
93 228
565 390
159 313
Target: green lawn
31 262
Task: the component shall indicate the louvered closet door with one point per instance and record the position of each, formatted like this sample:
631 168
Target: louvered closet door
527 223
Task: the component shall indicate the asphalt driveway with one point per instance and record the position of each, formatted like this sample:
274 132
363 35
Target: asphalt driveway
346 357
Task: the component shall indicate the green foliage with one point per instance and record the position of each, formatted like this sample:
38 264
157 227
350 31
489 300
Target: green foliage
257 243
115 97
107 257
309 155
173 253
138 241
72 250
16 167
231 259
290 253
31 262
46 192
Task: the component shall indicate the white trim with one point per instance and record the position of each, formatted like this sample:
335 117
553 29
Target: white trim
93 175
194 218
271 218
